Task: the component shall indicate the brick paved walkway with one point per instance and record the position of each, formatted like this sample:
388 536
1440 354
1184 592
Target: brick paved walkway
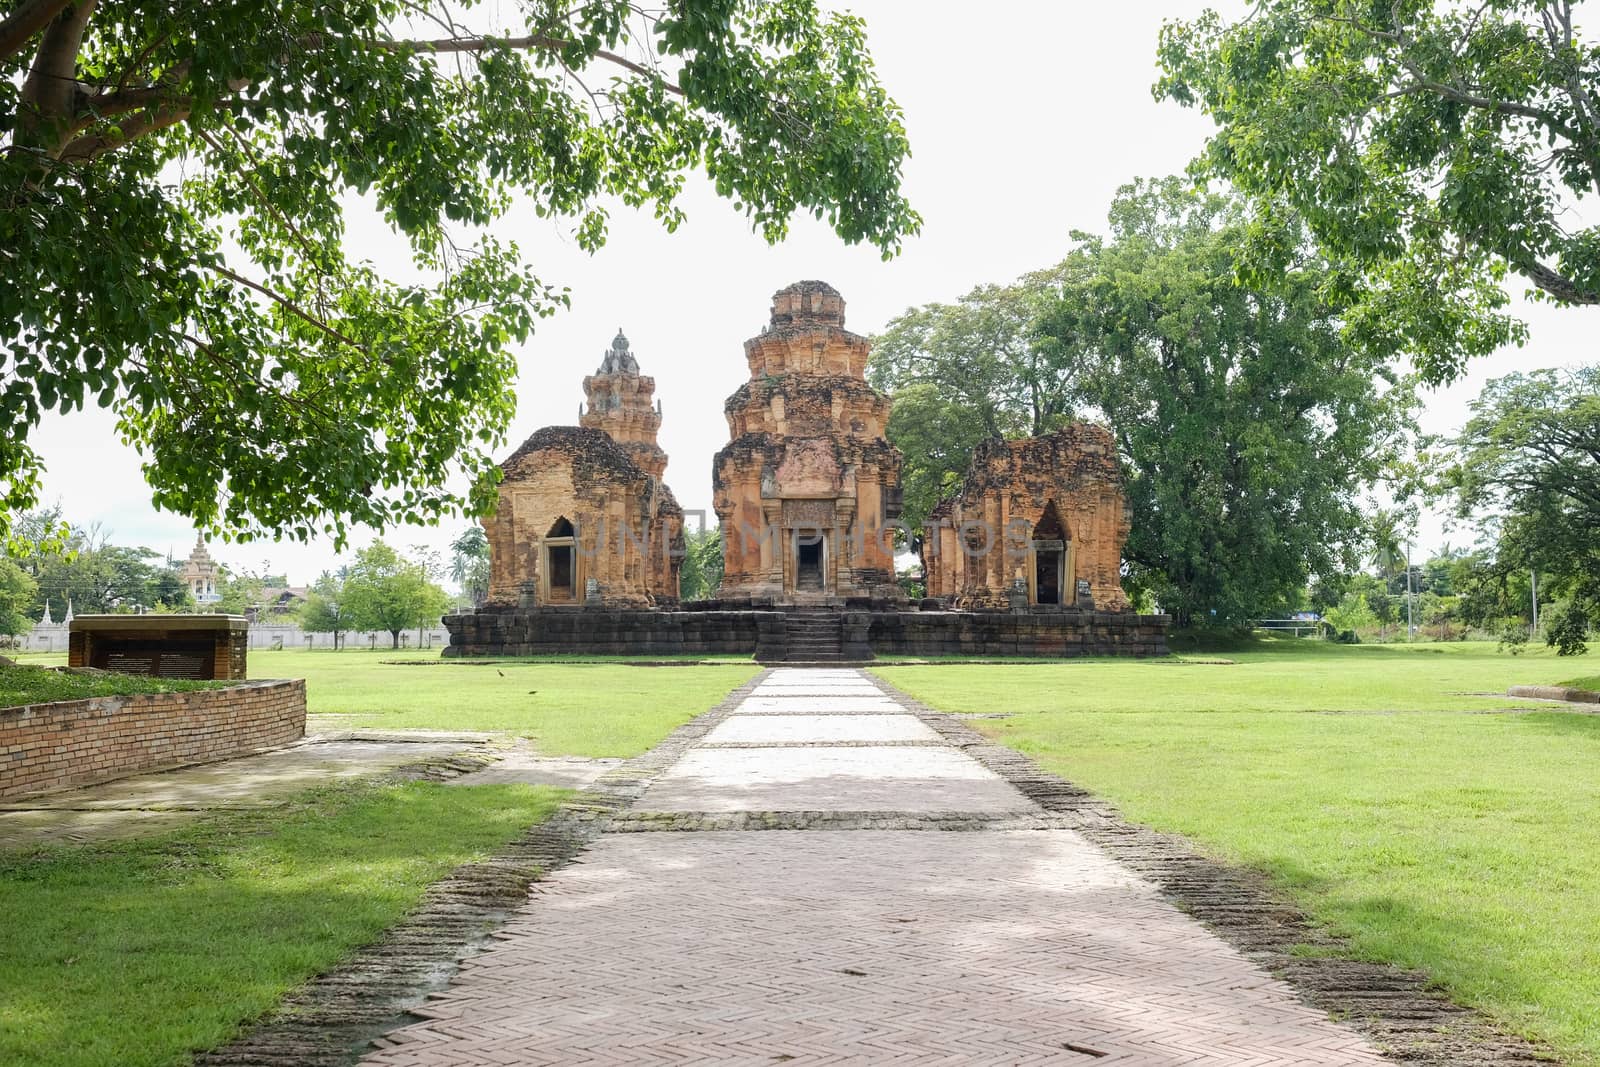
870 946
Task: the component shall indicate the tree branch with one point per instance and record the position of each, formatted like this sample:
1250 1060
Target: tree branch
87 149
539 42
48 92
284 302
17 28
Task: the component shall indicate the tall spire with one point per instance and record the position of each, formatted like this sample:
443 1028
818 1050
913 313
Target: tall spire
621 402
618 359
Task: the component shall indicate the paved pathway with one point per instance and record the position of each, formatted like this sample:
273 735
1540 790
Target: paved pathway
913 945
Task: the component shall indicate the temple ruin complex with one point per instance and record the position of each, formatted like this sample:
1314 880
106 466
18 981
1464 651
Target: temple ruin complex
585 545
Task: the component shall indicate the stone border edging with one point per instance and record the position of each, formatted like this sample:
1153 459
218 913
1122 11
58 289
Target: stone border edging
1565 694
1395 1008
338 1016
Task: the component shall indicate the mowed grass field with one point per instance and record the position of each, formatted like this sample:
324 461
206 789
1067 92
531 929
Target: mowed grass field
569 709
1432 823
138 953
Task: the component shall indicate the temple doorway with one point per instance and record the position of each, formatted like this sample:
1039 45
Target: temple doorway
560 563
1049 551
808 562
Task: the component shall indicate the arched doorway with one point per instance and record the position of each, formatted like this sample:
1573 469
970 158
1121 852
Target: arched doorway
560 572
1050 577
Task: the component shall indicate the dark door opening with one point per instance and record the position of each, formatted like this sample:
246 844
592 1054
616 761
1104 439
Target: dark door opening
1049 557
561 572
1047 576
808 564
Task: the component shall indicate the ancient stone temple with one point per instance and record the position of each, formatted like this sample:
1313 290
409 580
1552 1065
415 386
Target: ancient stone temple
807 482
1038 522
584 517
1025 559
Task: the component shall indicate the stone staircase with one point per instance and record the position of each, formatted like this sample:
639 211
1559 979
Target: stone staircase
813 636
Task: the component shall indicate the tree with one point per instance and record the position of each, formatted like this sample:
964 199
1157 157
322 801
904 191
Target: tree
1527 464
1386 541
1433 145
17 590
937 433
469 563
967 371
90 574
383 591
324 610
174 179
240 594
702 564
1352 615
1246 423
170 591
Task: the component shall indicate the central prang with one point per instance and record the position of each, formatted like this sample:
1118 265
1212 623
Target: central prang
807 487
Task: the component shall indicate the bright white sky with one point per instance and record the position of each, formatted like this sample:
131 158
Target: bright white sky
1023 123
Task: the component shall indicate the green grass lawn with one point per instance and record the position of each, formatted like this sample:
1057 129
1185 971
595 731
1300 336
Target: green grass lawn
139 953
1422 822
33 684
577 709
1591 683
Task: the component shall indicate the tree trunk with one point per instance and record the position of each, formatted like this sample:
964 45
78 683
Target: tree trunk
395 636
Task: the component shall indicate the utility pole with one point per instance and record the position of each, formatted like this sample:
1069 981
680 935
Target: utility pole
1411 621
1533 573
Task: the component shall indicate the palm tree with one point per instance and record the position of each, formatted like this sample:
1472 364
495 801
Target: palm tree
1385 536
1385 533
469 563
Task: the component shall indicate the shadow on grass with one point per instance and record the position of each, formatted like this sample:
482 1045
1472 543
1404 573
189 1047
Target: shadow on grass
207 928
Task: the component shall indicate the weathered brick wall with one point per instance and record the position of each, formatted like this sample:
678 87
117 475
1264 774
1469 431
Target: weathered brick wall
609 633
78 742
1062 633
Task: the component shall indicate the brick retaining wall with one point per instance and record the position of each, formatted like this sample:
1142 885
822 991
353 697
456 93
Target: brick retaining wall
1052 634
1056 634
605 632
79 742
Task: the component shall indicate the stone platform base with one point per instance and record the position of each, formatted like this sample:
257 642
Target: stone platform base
773 635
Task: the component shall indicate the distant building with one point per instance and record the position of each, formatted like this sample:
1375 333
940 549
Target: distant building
282 599
199 572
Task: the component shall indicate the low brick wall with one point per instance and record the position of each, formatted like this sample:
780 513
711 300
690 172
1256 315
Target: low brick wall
983 633
1059 633
607 633
79 742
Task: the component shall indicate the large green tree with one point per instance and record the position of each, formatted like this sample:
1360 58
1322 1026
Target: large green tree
1246 423
89 573
385 591
966 371
1437 145
1527 464
173 186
